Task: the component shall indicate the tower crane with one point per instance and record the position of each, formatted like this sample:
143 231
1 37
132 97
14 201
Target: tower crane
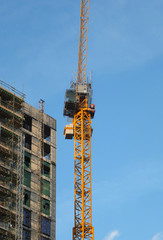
78 106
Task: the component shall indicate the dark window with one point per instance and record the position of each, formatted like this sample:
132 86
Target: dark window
26 234
46 226
27 178
46 169
44 238
47 133
27 124
47 151
27 196
27 218
28 141
46 206
27 160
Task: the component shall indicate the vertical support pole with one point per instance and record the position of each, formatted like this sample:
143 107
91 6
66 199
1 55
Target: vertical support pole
0 131
20 180
19 196
82 167
41 109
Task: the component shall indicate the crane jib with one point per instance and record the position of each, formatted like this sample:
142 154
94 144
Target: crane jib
83 42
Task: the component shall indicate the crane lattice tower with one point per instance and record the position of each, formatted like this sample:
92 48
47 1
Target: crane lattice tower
78 106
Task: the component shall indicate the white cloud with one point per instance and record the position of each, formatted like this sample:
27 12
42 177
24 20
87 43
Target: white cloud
112 235
158 236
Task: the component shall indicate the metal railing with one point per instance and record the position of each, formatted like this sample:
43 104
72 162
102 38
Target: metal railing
7 124
10 185
9 144
7 227
9 205
4 225
12 89
8 163
9 106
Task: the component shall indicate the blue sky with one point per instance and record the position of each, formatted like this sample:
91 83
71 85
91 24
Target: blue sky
38 54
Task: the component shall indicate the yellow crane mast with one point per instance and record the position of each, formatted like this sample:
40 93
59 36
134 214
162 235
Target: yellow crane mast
78 106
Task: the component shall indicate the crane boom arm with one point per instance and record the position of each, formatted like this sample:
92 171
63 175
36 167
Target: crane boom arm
83 42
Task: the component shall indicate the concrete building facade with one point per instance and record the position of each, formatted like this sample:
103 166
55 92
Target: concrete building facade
27 169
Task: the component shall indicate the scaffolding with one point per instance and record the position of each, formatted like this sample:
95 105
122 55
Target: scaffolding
27 168
41 112
11 162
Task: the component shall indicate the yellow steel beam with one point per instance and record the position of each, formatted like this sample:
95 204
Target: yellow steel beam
82 175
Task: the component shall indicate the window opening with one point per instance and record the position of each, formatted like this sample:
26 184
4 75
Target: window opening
27 178
27 218
46 169
26 234
27 123
47 151
46 187
46 206
47 133
27 197
28 139
27 160
46 226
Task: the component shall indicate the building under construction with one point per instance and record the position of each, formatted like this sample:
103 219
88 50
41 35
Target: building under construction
27 169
